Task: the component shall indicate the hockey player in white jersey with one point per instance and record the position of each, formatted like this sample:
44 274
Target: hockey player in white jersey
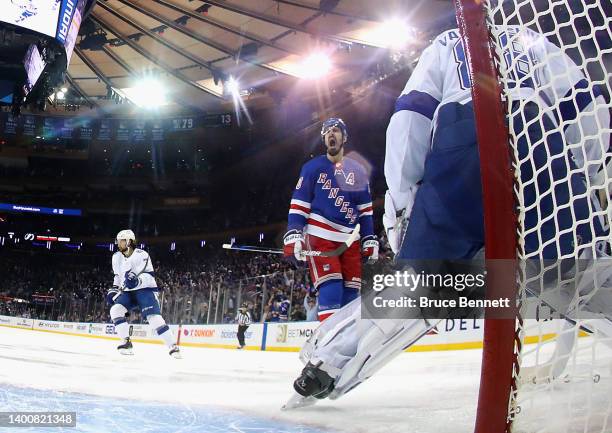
134 286
432 170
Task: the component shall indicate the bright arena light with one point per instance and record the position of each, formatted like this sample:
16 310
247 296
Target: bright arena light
60 95
232 86
316 65
148 93
394 33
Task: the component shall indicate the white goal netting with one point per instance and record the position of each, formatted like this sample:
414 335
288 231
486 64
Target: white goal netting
554 63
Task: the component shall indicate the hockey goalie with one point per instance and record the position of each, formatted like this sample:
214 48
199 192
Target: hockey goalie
434 205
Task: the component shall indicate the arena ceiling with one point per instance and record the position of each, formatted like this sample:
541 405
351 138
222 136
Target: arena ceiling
204 55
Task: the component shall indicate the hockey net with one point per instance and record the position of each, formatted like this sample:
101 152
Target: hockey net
555 111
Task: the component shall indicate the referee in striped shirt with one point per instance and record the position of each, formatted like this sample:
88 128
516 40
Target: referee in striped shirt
244 320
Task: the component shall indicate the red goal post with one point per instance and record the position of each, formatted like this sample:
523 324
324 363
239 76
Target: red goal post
498 358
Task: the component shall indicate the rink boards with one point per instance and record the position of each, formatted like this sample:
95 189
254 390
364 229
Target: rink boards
451 334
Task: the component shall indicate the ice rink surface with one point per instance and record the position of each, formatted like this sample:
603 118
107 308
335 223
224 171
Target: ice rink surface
220 390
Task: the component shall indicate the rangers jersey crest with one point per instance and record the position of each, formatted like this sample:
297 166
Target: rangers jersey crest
331 198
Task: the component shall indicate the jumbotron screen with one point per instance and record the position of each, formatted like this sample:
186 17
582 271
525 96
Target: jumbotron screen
37 15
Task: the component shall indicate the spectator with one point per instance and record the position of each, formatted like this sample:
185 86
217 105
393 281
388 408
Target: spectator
311 306
200 286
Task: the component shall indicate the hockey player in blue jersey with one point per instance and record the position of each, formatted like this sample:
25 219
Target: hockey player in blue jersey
331 197
433 174
134 286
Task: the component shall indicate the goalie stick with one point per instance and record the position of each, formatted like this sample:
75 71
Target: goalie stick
341 249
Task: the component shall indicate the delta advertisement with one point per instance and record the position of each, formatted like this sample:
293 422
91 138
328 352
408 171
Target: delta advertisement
451 334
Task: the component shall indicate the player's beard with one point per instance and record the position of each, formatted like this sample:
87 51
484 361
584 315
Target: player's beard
333 151
125 250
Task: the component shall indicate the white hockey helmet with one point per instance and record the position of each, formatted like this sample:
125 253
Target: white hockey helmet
127 234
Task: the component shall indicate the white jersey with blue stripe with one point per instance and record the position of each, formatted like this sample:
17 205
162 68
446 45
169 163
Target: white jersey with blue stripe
139 262
538 71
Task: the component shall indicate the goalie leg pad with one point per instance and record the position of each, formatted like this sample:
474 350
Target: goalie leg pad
351 349
380 342
334 324
351 346
344 320
341 319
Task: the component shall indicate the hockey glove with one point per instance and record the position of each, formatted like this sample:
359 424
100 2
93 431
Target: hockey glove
131 280
293 242
112 295
369 248
396 220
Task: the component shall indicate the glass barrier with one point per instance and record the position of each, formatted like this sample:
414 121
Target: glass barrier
279 296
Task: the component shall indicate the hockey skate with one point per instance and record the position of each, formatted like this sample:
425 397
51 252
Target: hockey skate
126 347
175 352
312 385
298 401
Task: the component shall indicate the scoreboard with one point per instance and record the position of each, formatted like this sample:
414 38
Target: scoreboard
128 129
39 209
58 19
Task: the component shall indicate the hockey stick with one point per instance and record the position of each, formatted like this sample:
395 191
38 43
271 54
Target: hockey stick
309 253
253 249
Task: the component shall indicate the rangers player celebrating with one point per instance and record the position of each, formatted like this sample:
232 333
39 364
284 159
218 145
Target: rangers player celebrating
331 197
134 285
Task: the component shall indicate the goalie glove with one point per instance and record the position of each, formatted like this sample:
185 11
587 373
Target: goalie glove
396 220
112 295
293 242
131 280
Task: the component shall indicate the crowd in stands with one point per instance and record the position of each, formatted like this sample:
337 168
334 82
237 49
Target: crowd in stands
198 286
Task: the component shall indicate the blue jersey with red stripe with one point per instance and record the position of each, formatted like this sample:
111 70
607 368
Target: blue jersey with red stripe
331 198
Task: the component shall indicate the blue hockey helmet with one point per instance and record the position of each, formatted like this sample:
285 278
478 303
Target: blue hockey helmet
334 121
